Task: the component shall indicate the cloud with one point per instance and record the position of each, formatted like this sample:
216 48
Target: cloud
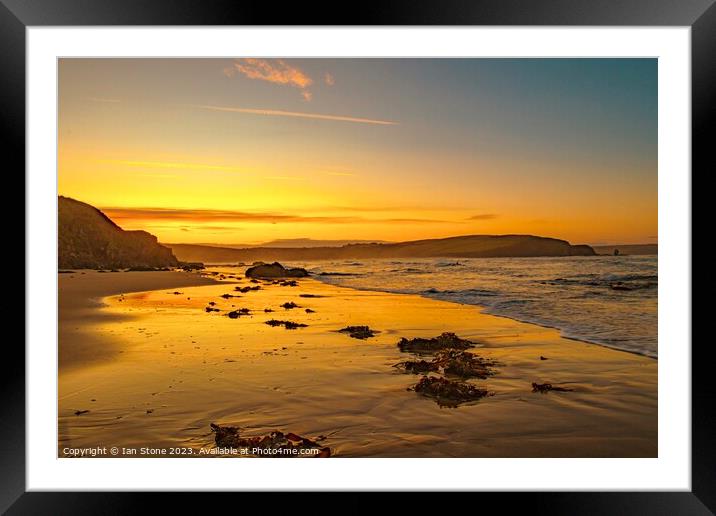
275 71
171 165
483 216
329 79
209 216
104 100
299 114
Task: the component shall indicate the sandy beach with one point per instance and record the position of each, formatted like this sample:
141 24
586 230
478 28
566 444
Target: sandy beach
140 352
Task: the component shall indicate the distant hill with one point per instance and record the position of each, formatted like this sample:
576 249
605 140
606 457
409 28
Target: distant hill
472 246
293 243
628 249
88 239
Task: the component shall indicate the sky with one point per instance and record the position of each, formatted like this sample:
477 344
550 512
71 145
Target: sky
249 150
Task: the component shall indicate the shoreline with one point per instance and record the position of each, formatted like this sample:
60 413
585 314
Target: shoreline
485 310
80 298
206 368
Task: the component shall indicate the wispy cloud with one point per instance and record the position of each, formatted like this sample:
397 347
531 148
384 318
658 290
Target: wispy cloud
298 114
104 100
171 165
275 71
208 216
483 216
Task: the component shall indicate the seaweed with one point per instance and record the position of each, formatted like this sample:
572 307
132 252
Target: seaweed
358 332
446 340
235 314
448 393
289 325
274 444
452 362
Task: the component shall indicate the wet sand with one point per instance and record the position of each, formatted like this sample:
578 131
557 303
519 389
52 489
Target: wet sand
80 295
175 368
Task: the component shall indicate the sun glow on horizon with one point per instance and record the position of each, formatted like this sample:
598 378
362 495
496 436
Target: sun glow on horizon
363 148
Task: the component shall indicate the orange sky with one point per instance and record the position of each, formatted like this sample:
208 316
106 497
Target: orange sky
245 151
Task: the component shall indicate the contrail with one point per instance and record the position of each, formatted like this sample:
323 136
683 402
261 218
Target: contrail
315 116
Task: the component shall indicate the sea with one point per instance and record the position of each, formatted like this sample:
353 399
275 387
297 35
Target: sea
606 300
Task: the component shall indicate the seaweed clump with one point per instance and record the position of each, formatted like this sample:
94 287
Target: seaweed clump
546 387
358 332
452 362
289 325
448 393
447 340
274 444
235 314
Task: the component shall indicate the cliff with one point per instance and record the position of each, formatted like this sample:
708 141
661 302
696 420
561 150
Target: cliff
88 239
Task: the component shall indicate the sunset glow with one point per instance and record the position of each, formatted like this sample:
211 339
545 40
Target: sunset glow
250 150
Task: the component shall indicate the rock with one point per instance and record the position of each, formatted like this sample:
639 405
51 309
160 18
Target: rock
191 266
309 311
88 239
244 290
289 305
446 340
543 358
235 314
210 309
286 324
80 412
310 295
275 270
358 332
448 393
545 387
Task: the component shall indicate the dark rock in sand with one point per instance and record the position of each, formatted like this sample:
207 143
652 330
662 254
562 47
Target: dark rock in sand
80 412
286 324
543 358
235 314
191 266
446 340
309 311
210 309
289 305
310 295
276 444
244 290
358 332
448 393
289 283
545 387
275 270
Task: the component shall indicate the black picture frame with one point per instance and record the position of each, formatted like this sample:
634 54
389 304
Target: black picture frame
699 15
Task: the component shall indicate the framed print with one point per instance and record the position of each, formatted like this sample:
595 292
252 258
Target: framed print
439 249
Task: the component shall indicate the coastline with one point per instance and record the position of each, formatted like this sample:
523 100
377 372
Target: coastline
313 380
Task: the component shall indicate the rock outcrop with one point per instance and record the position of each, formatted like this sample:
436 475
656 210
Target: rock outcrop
88 239
275 270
